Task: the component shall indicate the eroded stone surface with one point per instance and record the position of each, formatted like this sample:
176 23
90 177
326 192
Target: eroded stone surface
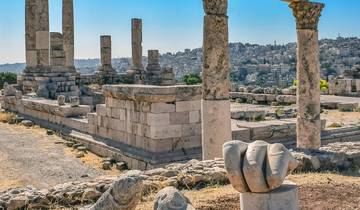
171 198
257 167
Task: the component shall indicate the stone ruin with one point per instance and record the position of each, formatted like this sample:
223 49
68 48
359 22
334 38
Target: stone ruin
50 67
348 84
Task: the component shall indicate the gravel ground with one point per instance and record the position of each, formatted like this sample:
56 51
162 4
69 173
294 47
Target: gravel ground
31 157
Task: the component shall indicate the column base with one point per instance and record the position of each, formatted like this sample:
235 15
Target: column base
216 127
284 197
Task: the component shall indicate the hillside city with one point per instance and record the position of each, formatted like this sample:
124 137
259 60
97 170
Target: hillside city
251 64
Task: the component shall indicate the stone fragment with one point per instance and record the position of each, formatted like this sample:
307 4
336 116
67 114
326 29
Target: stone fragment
124 194
257 167
61 100
170 198
74 101
27 123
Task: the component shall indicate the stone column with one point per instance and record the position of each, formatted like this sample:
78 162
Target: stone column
68 31
30 33
136 40
37 33
42 33
153 69
105 45
307 16
216 124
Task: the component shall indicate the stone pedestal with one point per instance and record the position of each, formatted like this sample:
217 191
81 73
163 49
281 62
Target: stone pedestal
284 197
216 122
216 127
307 16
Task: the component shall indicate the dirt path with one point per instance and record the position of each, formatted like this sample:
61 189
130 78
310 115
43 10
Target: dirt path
31 157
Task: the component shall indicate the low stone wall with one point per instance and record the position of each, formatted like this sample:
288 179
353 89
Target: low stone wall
345 87
243 97
163 122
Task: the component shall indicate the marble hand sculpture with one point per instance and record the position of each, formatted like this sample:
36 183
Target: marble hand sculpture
257 167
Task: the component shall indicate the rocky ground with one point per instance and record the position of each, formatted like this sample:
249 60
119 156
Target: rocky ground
29 156
316 191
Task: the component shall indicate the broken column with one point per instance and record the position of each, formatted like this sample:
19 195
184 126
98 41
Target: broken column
307 16
216 127
153 69
68 31
137 68
106 73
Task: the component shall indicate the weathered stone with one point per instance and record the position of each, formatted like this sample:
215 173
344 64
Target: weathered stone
124 194
284 197
170 198
136 37
257 167
74 101
61 100
307 16
215 7
68 31
216 127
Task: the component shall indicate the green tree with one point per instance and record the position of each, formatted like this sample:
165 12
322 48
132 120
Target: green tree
192 79
10 78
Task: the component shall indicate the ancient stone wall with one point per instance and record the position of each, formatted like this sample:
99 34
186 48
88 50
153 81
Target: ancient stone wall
163 122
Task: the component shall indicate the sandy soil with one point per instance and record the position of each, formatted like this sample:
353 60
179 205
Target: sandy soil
28 156
316 191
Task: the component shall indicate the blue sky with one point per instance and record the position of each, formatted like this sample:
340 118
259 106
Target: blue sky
170 25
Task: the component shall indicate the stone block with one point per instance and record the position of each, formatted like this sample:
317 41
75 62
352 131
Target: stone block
162 108
191 130
158 119
42 40
101 109
348 107
284 197
178 118
215 115
31 58
187 106
164 132
194 117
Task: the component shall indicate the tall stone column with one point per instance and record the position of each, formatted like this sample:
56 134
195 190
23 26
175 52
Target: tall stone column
105 45
68 31
216 123
42 33
37 34
30 33
307 16
136 41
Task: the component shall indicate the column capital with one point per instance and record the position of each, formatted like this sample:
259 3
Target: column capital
215 7
307 13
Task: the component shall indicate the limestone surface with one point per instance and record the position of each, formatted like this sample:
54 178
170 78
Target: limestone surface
257 167
124 194
171 198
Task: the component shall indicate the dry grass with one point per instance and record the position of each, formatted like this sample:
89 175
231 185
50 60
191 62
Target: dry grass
5 117
226 198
